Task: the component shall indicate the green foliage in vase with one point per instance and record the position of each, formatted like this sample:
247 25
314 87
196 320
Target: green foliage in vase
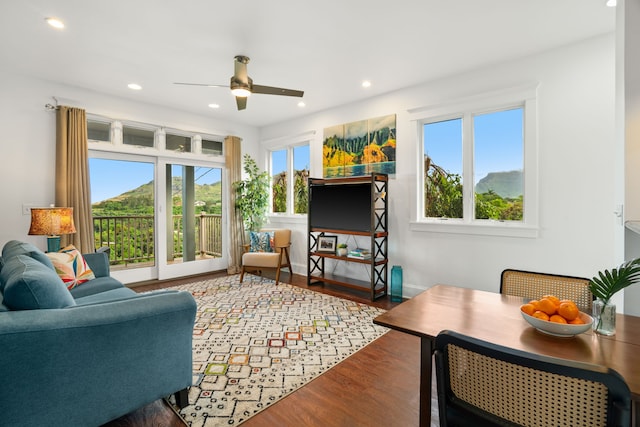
252 195
607 283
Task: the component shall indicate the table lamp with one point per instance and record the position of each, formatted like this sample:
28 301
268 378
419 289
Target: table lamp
52 222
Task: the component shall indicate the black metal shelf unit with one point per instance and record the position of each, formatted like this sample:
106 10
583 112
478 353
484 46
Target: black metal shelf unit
321 220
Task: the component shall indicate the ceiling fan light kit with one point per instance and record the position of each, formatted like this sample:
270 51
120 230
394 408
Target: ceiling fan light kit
242 86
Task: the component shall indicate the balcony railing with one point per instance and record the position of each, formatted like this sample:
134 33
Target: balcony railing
131 237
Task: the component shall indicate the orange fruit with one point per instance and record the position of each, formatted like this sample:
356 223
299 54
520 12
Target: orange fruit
556 318
576 321
547 305
554 299
568 310
528 308
540 315
535 303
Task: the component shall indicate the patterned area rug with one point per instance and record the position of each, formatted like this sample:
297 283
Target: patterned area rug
256 342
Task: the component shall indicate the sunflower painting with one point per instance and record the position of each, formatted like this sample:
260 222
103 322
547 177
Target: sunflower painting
360 148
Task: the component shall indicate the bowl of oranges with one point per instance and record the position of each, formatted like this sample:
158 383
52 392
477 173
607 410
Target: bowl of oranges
556 317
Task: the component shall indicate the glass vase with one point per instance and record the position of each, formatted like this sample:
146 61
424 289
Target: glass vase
604 317
396 283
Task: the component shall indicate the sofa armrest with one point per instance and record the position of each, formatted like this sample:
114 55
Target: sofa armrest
98 263
87 365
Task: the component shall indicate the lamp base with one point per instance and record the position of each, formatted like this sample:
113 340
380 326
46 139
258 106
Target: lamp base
53 243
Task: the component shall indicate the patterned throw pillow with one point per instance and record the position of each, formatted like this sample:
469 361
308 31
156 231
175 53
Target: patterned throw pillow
71 266
261 241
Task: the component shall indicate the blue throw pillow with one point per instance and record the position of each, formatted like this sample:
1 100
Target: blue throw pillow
31 285
261 241
16 247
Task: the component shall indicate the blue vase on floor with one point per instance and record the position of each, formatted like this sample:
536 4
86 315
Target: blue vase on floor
396 283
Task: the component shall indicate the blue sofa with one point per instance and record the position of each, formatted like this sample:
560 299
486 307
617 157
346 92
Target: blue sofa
90 355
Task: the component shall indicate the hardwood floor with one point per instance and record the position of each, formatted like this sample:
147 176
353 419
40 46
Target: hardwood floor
377 386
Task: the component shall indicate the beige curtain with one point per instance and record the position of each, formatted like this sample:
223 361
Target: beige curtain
233 161
72 175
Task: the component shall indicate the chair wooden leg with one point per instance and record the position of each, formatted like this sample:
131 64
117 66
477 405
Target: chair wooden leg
241 274
277 275
182 398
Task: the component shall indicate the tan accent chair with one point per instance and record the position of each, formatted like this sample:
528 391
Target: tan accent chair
258 261
532 285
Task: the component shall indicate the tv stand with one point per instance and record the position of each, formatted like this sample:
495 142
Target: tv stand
370 223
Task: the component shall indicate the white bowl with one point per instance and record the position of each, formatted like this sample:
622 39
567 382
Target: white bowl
559 329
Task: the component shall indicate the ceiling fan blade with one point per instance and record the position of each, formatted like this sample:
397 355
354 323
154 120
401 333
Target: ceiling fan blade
241 101
199 84
270 90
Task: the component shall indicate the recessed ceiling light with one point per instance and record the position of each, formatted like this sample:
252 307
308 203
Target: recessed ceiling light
612 3
214 106
134 86
55 23
301 104
366 83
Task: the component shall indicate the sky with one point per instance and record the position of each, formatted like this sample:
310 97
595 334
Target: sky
497 140
110 178
301 159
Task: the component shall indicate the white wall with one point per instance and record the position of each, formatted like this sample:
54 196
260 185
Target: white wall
27 148
576 112
628 28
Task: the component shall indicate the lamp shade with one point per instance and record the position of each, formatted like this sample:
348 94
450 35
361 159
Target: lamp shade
51 221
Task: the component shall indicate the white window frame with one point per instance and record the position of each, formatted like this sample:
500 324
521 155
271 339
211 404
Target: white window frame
525 97
159 149
288 144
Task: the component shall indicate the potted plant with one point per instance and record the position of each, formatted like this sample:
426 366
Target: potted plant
341 249
252 195
604 286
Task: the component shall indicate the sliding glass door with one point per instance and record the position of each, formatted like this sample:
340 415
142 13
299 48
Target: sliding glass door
160 218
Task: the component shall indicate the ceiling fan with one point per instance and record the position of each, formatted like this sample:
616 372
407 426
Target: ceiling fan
242 85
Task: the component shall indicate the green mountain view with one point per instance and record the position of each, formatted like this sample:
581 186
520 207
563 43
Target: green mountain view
505 184
139 201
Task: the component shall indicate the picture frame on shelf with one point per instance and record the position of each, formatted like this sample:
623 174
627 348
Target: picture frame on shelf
327 244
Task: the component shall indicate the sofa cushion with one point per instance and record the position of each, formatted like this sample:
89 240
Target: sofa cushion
71 266
261 241
106 296
16 247
31 285
97 285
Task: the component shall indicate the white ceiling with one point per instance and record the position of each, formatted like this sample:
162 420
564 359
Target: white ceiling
325 48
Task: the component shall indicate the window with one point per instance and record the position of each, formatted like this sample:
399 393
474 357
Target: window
479 166
178 143
159 208
289 171
137 136
98 131
279 181
122 201
211 147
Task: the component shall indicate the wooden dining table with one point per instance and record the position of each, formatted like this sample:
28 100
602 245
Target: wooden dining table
496 318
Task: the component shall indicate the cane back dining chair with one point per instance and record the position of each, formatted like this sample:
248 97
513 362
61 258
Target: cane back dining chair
484 384
268 250
533 285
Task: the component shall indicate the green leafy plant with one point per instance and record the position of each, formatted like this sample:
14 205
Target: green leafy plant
252 195
342 245
607 283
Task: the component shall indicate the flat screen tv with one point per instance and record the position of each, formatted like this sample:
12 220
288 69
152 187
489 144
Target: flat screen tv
340 206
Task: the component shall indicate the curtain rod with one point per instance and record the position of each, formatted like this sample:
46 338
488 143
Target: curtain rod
52 107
